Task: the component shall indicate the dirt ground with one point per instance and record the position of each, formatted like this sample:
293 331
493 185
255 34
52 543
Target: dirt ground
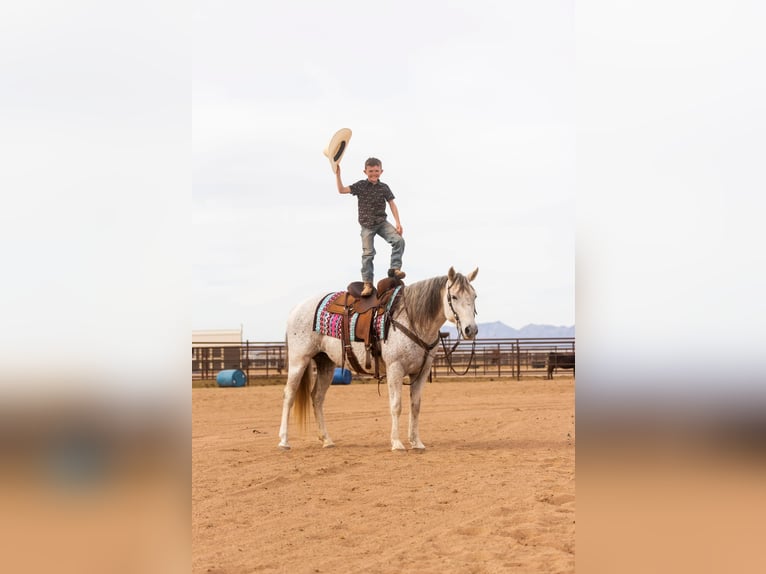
493 492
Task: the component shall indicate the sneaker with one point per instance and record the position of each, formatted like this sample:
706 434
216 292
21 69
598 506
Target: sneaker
367 291
397 273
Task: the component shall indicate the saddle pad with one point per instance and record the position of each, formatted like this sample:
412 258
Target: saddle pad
381 321
331 324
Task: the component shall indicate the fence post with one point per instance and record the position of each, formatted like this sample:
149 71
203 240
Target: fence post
247 362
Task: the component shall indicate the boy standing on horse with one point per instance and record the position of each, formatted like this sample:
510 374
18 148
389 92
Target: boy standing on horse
372 195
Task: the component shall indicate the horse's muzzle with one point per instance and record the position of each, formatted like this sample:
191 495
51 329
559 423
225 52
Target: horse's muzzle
470 331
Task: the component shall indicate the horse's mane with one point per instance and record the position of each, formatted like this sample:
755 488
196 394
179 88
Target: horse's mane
422 300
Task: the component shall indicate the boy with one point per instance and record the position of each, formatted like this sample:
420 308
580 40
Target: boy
372 195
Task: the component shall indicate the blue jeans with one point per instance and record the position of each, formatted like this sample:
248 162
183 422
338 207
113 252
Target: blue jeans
387 232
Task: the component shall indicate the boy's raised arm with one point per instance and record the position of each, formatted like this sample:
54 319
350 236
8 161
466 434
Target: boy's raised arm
341 187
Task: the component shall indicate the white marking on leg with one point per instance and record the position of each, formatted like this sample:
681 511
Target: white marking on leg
395 403
293 381
317 397
287 404
416 391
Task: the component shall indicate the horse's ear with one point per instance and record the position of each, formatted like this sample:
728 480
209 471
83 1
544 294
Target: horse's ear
451 274
473 275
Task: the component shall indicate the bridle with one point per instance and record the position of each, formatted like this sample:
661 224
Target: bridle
451 308
448 354
429 347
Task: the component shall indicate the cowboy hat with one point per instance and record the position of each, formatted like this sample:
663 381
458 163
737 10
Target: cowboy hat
336 147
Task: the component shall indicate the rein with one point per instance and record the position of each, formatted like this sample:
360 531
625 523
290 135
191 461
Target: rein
448 355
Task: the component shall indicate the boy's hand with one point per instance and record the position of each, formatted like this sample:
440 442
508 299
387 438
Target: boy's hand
399 229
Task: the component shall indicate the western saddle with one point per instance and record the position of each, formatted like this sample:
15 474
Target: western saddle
363 314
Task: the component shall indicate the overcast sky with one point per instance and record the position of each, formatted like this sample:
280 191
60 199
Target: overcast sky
470 107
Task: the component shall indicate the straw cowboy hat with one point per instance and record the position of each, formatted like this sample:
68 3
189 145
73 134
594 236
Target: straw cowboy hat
337 146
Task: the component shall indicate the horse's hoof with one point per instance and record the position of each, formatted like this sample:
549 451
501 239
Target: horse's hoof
398 447
284 447
418 449
328 445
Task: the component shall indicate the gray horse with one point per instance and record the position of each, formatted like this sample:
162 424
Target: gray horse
407 351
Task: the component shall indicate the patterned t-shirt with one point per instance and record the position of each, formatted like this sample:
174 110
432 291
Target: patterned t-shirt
372 199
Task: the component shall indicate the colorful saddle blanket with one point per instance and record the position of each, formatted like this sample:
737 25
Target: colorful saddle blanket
365 326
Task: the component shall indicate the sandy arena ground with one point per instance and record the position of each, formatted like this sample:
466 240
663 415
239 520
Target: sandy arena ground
493 492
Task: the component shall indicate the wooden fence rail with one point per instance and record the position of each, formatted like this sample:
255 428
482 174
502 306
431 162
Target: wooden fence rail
487 358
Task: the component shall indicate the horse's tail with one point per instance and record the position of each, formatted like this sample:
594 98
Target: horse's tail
303 398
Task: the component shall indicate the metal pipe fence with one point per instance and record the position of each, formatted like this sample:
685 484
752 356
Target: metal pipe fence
510 358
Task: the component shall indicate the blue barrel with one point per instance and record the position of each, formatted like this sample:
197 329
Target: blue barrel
231 378
341 377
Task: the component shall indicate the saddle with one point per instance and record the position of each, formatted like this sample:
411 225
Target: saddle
361 315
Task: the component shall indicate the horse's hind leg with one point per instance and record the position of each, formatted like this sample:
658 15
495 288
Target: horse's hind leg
295 373
325 371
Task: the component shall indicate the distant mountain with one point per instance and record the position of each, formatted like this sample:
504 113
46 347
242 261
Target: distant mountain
498 330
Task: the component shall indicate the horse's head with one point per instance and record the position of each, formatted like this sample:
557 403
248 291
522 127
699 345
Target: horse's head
459 300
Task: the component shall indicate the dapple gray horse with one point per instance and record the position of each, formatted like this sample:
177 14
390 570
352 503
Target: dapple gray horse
407 351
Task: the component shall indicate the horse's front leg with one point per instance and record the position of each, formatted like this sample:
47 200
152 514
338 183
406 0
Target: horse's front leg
395 377
416 391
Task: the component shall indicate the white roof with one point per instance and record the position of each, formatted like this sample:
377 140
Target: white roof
217 336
